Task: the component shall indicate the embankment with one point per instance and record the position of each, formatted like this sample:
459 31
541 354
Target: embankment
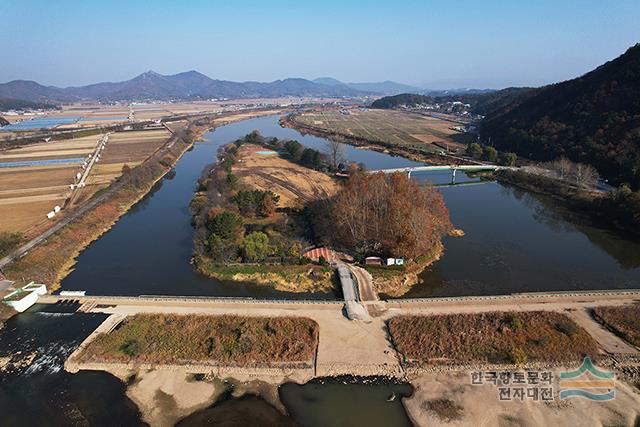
54 258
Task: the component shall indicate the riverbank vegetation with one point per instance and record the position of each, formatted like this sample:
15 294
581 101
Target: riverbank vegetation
229 340
52 260
623 321
619 208
249 214
500 338
9 242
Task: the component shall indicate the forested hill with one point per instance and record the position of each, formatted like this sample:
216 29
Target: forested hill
594 118
409 99
481 102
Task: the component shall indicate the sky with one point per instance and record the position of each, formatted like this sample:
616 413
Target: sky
434 44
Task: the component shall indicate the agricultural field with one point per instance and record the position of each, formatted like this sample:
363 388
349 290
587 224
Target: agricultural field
123 148
28 192
35 178
263 169
232 340
512 338
405 130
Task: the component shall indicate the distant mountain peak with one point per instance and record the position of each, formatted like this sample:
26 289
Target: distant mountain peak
150 74
188 85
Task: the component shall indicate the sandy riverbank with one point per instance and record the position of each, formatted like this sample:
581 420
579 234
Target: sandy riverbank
449 398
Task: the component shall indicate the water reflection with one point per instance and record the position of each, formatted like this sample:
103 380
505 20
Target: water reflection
514 242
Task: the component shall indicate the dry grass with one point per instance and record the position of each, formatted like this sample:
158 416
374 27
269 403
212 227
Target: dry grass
490 338
445 409
624 321
287 179
167 338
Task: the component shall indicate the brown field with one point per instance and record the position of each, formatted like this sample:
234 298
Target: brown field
406 130
167 338
28 193
128 147
287 179
623 321
515 338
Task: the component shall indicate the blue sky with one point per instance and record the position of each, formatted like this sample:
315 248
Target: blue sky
439 44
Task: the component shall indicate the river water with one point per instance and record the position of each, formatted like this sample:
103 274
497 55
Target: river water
42 393
514 242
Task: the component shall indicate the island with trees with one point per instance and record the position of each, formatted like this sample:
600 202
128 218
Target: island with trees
267 202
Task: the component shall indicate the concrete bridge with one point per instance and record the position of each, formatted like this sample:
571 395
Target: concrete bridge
438 168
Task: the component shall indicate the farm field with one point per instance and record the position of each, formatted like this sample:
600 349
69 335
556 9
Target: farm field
123 148
37 177
28 193
406 130
256 168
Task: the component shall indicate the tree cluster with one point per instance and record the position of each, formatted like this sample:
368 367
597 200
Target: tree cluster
384 215
579 174
490 154
593 119
256 203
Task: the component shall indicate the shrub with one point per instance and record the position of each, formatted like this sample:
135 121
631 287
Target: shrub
256 246
9 241
518 356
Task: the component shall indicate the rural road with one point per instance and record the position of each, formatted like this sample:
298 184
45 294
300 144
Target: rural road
75 214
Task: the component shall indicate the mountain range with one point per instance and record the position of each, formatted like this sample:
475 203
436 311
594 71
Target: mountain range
381 88
192 85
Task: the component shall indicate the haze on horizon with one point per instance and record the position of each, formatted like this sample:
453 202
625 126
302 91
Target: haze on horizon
490 44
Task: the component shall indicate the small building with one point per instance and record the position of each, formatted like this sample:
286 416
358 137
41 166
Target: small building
373 260
395 261
23 298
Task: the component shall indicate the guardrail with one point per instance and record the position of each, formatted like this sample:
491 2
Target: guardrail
523 295
48 299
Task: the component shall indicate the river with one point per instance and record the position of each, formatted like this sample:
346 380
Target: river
514 242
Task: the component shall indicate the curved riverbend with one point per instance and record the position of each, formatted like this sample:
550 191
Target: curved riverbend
514 242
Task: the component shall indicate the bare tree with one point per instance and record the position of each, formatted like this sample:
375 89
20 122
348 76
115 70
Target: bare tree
585 175
335 151
563 167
